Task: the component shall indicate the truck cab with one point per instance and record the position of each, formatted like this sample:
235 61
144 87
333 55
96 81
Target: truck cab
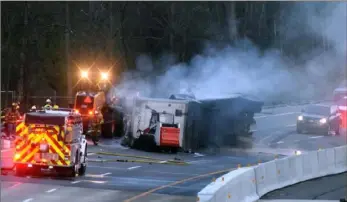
89 105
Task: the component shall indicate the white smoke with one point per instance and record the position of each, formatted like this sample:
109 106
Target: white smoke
244 69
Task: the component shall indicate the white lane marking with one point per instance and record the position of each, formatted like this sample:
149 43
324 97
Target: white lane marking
51 190
27 200
275 133
75 182
106 174
280 142
199 161
198 155
281 114
90 154
162 161
134 167
111 168
315 137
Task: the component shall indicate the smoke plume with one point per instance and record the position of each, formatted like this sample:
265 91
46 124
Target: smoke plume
242 68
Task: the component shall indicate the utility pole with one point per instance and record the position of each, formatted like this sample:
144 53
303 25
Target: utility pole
69 71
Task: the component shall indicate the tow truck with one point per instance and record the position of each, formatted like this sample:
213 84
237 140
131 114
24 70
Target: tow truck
50 141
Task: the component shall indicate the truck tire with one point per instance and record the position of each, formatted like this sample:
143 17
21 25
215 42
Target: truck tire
106 129
74 168
83 166
132 141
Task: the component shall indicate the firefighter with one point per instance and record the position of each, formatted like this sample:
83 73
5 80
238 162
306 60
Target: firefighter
48 104
96 123
11 118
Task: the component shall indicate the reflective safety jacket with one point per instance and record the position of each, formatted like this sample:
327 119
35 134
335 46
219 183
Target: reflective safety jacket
96 122
47 106
12 116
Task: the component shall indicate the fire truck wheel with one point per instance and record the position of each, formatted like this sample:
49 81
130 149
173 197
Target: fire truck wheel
74 168
83 167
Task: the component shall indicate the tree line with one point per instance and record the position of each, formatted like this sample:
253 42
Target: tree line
44 43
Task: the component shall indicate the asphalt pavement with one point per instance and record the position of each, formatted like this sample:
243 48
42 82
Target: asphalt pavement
112 178
326 188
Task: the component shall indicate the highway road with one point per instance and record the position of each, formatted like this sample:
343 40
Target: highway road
157 181
326 188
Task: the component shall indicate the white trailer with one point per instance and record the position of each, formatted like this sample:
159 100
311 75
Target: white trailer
158 114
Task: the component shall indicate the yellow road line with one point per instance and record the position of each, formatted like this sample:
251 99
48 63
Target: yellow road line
175 183
142 157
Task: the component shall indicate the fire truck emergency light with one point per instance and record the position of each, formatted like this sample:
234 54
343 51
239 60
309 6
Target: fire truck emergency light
104 76
84 74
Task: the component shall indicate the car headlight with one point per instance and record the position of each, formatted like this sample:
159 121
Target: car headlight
323 121
300 118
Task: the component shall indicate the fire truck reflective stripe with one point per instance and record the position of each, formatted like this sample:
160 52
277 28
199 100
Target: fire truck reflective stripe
19 127
26 149
55 145
22 131
56 162
65 147
60 160
30 155
53 162
27 153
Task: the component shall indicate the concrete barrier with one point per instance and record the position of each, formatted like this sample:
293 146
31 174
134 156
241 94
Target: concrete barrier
236 186
249 184
6 159
266 177
340 159
310 166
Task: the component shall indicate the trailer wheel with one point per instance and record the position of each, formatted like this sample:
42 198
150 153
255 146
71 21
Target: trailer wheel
131 142
174 150
106 129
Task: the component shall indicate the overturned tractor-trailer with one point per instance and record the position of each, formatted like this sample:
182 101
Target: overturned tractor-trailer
228 121
182 122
